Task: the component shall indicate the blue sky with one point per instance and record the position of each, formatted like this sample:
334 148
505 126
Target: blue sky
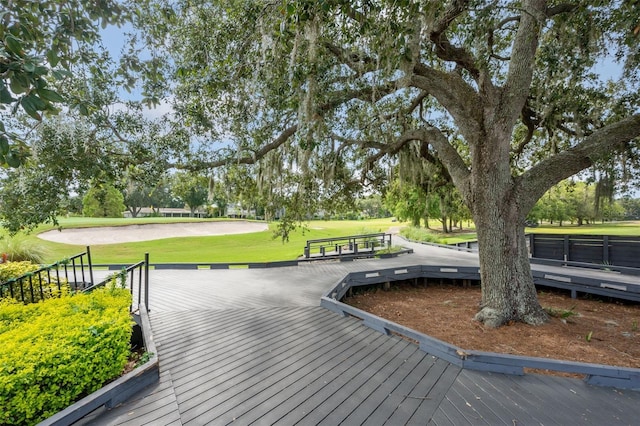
114 40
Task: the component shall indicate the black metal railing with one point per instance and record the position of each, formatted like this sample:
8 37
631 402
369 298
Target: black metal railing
76 274
347 245
72 274
130 277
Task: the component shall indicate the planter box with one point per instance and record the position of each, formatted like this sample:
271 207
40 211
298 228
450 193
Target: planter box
122 388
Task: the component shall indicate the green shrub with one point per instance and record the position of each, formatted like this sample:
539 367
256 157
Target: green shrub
19 248
12 270
117 279
419 234
51 287
54 352
389 250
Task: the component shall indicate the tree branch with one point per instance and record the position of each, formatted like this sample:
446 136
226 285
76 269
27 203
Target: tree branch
517 87
443 47
246 159
537 180
417 102
351 59
455 95
366 94
560 8
446 154
450 158
530 120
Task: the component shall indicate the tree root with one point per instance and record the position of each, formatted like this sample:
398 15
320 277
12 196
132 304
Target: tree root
494 318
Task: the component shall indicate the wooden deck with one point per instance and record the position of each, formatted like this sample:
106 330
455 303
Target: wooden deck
253 347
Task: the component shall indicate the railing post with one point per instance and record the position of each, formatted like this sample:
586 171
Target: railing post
140 272
532 245
146 280
90 265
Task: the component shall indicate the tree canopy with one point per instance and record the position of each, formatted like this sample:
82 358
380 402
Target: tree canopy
42 44
332 98
503 98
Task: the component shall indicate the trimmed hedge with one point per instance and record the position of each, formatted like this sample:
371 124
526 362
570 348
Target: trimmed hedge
54 352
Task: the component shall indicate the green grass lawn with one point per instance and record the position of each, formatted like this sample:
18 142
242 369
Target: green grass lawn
261 246
629 228
254 247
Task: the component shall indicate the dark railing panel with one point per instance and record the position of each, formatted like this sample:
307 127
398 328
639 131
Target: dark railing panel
598 249
350 244
128 277
40 284
74 274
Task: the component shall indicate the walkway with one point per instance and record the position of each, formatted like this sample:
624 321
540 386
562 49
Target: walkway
252 346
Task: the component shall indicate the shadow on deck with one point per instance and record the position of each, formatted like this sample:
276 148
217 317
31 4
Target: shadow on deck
264 352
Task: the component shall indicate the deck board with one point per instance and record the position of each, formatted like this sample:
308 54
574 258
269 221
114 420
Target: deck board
157 405
395 408
265 352
519 406
271 370
273 403
385 389
435 393
343 388
359 392
300 397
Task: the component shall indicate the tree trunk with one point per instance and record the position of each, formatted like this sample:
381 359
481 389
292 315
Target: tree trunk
508 291
443 220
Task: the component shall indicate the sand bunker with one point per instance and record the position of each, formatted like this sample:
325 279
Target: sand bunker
131 233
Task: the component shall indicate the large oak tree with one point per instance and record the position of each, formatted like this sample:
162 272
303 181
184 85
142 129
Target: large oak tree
501 95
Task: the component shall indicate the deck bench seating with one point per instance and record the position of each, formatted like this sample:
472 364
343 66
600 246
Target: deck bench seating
364 244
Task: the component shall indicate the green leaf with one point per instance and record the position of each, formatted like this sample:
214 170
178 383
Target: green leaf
60 74
52 57
50 95
4 144
41 83
12 159
17 86
14 45
5 95
40 71
29 106
29 67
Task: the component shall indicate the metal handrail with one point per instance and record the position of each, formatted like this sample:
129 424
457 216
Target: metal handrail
128 275
32 290
352 244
